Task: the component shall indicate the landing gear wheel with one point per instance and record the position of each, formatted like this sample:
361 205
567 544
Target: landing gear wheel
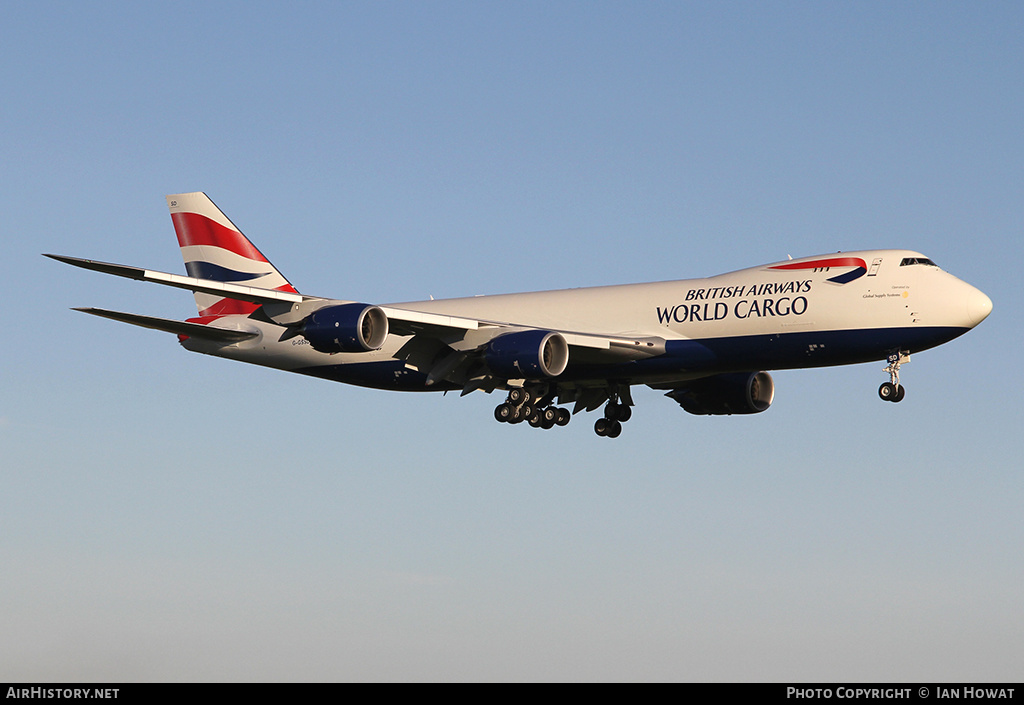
892 390
607 427
563 417
518 395
536 419
618 412
503 413
518 415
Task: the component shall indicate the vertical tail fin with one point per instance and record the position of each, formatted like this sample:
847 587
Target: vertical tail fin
213 248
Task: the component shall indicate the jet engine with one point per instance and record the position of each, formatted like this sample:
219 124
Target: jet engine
344 328
527 354
738 393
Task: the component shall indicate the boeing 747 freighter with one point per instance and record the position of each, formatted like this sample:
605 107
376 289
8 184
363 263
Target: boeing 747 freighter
706 342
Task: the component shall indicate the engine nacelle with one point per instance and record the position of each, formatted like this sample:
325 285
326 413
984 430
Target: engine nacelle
528 354
346 328
738 393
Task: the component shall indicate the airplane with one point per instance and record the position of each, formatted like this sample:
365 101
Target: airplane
705 342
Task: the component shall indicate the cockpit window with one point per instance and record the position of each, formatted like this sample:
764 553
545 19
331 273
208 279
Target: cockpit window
907 261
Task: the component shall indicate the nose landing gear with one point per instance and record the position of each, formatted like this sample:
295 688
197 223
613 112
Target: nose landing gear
892 390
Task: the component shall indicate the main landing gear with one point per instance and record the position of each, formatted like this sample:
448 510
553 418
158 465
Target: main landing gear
892 390
521 405
615 414
535 406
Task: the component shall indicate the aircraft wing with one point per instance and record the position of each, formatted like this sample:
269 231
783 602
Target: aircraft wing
401 321
193 330
405 322
206 286
408 322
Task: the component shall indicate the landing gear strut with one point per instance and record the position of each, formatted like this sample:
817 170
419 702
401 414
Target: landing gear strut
892 390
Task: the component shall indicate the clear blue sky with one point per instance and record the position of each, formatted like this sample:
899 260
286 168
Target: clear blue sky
168 516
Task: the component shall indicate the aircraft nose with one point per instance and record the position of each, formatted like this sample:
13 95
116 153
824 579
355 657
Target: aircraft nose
978 306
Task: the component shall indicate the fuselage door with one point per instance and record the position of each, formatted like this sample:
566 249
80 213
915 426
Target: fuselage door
875 264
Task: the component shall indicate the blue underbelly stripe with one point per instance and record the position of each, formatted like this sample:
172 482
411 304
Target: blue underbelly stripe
712 355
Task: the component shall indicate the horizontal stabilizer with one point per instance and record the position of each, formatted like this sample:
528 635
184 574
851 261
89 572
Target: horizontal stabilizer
206 286
192 330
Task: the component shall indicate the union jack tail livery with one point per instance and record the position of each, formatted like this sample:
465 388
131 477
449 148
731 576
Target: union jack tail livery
215 249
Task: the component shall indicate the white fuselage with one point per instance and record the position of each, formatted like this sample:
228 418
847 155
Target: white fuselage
784 315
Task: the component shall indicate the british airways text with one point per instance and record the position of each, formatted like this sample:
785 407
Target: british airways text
755 301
